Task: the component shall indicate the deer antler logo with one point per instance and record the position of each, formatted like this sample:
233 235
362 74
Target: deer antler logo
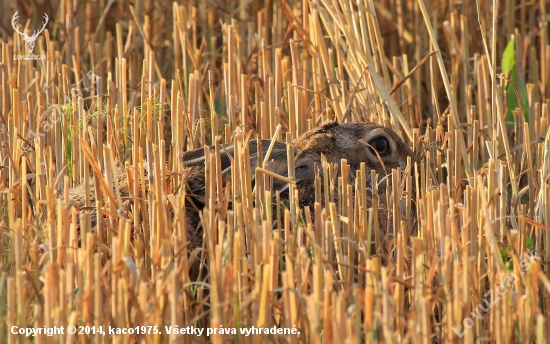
28 39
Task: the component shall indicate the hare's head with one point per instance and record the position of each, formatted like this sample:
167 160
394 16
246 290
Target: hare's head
378 147
361 142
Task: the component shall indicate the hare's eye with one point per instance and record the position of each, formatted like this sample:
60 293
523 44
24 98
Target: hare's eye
381 146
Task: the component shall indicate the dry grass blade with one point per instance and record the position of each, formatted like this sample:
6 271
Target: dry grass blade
170 107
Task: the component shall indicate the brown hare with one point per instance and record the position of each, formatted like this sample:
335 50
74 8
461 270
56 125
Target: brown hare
361 142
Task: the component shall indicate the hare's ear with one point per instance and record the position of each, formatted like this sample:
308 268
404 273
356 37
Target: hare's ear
227 153
253 152
196 156
278 164
193 158
304 168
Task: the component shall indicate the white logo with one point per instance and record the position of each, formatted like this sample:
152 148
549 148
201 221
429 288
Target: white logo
28 39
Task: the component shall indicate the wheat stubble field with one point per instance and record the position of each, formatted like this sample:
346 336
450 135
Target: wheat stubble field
124 87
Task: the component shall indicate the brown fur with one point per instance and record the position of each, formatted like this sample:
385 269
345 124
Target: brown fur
335 141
